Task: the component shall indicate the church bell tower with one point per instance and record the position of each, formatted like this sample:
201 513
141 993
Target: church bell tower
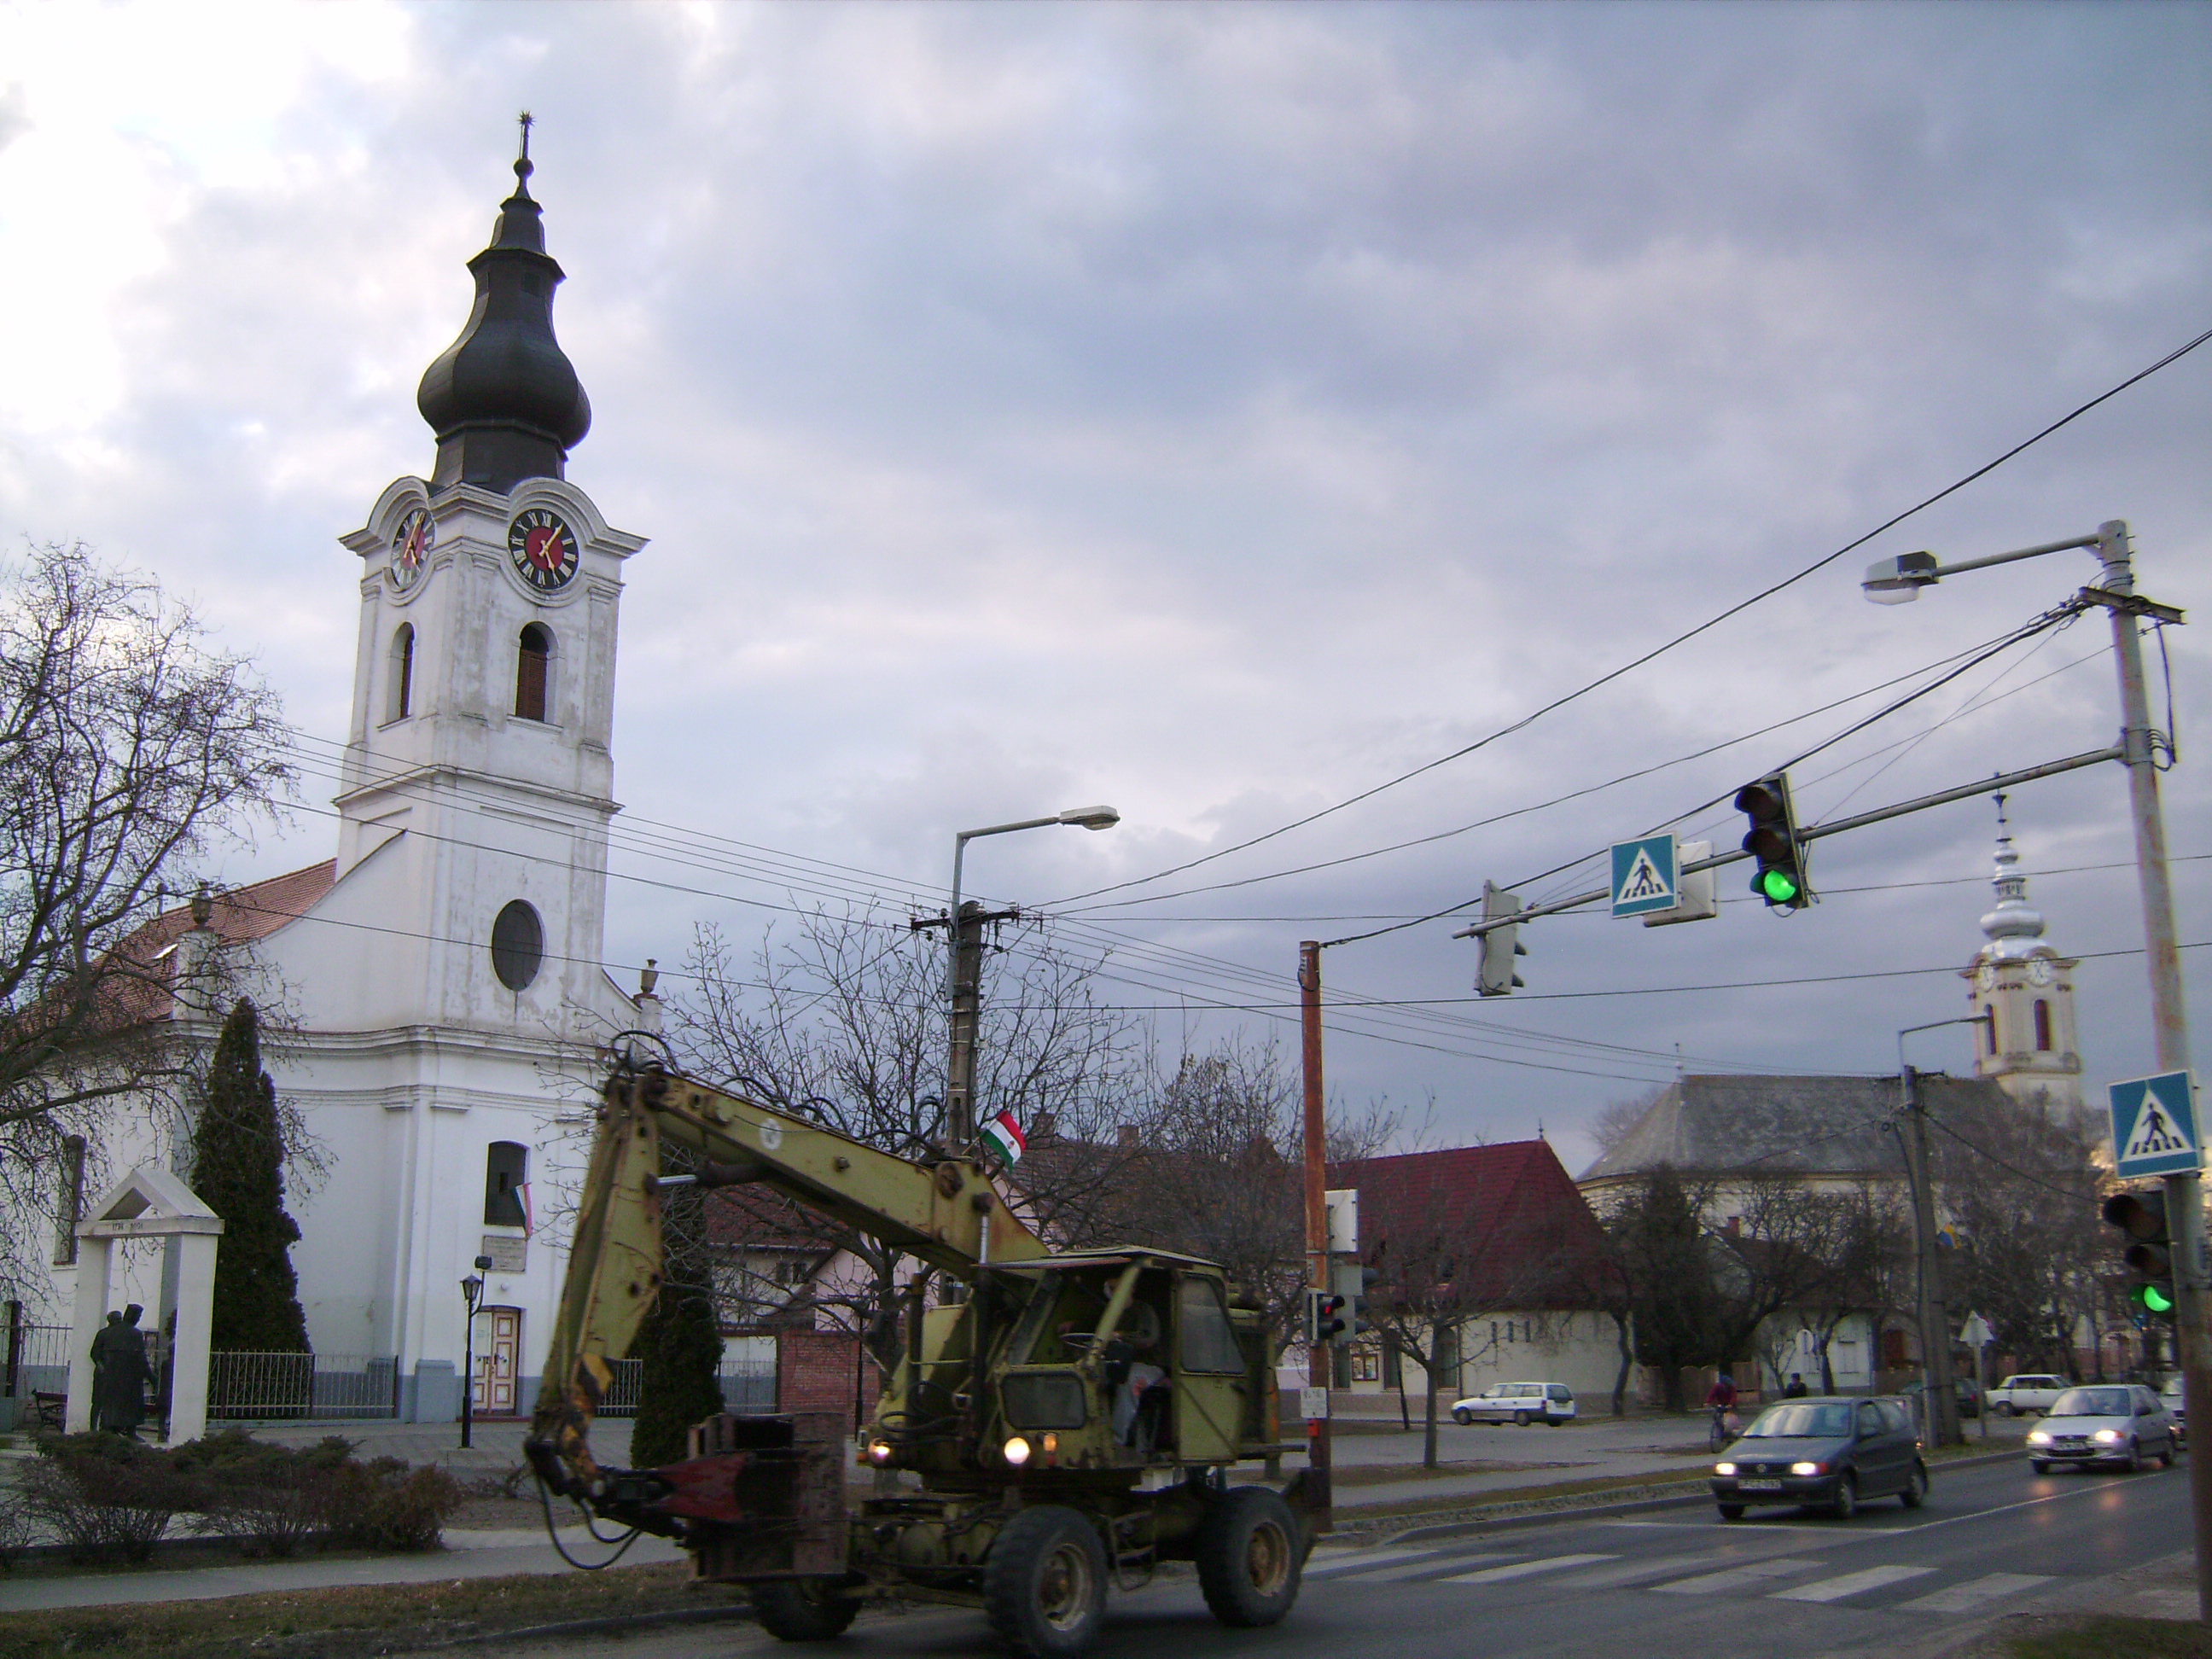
478 762
2023 991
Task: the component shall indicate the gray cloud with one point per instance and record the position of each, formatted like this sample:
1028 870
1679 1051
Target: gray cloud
1219 409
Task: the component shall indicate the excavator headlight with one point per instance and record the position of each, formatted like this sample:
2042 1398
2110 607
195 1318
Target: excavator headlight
879 1451
1016 1450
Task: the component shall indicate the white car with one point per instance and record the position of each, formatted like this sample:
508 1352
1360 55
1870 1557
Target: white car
2118 1422
2175 1398
1517 1402
2030 1392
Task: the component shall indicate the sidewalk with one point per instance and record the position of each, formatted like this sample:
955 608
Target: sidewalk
1601 1448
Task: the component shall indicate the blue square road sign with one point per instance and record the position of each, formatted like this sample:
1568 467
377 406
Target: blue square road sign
2154 1126
1646 876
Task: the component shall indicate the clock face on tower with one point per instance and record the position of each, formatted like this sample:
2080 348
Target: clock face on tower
543 549
410 548
2039 971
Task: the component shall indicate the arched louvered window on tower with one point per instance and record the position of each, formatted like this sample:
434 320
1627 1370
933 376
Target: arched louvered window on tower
402 672
2042 1026
533 673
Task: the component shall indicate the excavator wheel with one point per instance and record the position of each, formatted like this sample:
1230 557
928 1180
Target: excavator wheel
803 1609
1044 1582
1250 1557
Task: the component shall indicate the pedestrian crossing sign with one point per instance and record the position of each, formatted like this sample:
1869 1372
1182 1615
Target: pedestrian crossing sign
1646 876
2154 1126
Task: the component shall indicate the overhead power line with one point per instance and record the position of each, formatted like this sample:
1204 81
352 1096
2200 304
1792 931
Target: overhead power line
1660 650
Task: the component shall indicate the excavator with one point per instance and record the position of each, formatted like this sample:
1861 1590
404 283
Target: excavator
1070 1421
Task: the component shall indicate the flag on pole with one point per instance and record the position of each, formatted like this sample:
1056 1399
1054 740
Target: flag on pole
1005 1139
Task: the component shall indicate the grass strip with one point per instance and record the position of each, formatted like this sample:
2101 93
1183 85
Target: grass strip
2103 1635
355 1620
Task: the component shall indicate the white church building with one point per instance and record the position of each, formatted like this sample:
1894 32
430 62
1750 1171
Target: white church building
442 972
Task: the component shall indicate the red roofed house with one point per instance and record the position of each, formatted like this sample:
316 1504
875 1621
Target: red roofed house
1505 1226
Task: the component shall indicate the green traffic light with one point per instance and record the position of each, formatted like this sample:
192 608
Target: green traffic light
1776 887
2154 1300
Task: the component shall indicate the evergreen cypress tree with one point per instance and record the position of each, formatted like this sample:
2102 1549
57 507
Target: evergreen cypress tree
680 1341
237 1170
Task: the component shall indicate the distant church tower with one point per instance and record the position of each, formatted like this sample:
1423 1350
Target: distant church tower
2027 988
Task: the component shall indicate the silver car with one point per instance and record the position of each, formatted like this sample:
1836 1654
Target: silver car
1517 1402
2120 1423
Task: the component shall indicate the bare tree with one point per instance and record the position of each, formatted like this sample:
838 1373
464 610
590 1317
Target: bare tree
130 751
1220 1169
841 1019
2022 1190
1610 1124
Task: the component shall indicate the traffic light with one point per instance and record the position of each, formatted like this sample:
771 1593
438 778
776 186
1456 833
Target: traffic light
1773 842
1496 977
1352 1283
1325 1320
2142 1217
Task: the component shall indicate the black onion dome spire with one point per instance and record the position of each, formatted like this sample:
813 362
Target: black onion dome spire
504 398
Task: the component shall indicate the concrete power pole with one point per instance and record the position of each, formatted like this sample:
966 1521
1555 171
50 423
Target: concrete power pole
1316 1196
2184 1202
1938 1393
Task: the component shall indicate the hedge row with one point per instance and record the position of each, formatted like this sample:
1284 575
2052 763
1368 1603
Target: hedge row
100 1496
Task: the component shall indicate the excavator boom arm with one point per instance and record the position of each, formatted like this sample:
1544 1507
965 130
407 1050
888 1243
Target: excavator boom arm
947 1213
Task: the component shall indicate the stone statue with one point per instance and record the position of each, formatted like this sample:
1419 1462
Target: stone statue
121 1374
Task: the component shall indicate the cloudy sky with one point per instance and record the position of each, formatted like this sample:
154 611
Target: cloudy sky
1220 411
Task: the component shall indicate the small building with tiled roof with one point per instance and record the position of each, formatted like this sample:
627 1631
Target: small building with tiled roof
1524 1251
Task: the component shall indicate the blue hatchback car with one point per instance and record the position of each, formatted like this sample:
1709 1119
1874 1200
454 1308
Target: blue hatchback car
1830 1453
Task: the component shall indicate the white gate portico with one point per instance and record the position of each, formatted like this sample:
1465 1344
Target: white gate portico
149 1203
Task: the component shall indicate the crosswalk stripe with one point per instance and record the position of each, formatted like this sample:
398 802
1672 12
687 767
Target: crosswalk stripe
1363 1560
1405 1570
1525 1569
1965 1598
1713 1584
1851 1583
1635 1572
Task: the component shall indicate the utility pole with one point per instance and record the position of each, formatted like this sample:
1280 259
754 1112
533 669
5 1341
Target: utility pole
1937 1391
2184 1203
1316 1176
964 980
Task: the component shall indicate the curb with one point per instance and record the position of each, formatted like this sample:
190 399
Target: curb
614 1625
1421 1534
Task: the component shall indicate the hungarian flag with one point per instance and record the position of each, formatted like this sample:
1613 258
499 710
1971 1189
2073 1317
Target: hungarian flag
1003 1137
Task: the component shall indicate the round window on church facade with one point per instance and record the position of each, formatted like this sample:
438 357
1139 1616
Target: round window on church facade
517 945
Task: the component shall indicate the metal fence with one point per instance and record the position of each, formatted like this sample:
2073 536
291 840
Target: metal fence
34 1360
265 1387
747 1385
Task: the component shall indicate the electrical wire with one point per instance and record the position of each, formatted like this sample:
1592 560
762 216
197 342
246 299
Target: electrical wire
2048 620
1658 651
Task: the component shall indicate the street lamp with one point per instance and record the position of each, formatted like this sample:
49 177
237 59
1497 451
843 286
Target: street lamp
964 964
1896 581
1942 1409
471 1293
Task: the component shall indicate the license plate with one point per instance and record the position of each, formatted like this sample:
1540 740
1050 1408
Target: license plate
1759 1485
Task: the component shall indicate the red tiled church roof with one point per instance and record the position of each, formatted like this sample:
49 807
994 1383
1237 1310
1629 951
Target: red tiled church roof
1525 1229
238 915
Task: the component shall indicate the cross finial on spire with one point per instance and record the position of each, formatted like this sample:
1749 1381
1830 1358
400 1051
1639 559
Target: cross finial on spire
2001 812
522 168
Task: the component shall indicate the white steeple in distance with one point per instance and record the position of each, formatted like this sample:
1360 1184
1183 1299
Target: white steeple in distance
2012 925
2022 990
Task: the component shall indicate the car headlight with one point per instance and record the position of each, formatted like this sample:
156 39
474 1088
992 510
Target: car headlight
1015 1450
2107 1437
1809 1468
2037 1438
1724 1468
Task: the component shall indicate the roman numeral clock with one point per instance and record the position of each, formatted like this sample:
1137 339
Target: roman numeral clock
543 548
